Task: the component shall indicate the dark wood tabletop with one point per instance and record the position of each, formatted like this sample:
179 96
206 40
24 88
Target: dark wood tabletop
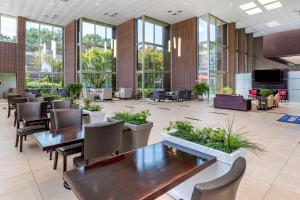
145 173
50 140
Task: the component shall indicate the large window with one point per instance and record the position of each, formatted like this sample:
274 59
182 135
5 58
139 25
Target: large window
97 68
8 28
212 41
44 56
153 65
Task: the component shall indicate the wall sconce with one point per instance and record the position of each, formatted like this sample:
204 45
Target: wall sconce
169 46
179 47
53 48
174 42
105 46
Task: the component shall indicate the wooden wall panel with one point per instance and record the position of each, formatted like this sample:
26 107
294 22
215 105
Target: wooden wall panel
231 55
126 54
241 50
249 52
184 68
70 53
8 57
21 54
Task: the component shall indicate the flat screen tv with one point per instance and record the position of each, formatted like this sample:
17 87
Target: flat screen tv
267 76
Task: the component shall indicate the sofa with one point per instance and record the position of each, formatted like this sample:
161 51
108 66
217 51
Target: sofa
232 102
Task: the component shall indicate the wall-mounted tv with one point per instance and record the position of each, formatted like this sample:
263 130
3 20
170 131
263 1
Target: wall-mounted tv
267 76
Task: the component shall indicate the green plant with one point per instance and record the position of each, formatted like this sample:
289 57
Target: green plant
73 91
200 89
132 118
227 90
147 92
91 107
265 92
217 138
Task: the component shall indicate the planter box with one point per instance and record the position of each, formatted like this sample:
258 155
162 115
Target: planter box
95 117
221 156
134 136
184 190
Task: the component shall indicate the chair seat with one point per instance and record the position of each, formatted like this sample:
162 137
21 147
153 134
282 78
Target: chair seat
28 130
70 149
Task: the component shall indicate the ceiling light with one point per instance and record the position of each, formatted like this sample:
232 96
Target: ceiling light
272 24
254 11
273 5
248 6
263 2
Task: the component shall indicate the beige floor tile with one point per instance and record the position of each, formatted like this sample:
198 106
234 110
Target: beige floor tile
29 193
276 193
288 183
16 183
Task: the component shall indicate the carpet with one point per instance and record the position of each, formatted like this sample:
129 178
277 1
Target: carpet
290 119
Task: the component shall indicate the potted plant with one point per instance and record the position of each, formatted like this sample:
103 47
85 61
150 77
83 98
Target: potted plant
73 92
137 129
227 91
199 89
265 92
96 114
219 142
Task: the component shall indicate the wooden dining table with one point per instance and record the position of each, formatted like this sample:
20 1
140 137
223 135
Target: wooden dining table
145 173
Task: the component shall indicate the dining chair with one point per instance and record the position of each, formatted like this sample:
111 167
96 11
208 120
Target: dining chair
15 101
66 118
10 105
28 110
61 104
100 139
36 99
224 187
49 99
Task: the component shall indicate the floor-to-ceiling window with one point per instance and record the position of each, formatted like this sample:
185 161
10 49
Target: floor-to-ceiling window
153 64
8 28
97 59
212 48
44 56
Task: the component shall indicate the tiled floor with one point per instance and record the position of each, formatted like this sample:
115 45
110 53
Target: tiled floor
271 176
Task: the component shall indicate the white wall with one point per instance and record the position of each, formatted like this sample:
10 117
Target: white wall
243 83
294 86
8 80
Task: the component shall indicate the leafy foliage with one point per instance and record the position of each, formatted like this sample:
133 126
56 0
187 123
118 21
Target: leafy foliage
147 92
133 118
216 138
44 84
201 88
265 92
73 91
91 107
227 90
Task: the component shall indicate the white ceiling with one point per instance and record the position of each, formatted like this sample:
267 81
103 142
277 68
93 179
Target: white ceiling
228 10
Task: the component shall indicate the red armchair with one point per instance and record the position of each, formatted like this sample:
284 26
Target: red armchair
283 95
252 94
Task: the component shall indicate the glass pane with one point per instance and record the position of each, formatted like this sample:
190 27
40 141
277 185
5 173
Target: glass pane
8 29
32 33
58 36
57 62
46 36
109 38
88 32
158 35
88 80
158 81
203 29
212 28
103 60
87 58
158 59
149 80
140 58
102 80
57 81
45 84
148 58
32 59
100 35
46 63
140 30
149 32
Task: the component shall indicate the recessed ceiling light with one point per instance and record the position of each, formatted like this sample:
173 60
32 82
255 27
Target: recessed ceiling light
263 2
254 11
272 24
248 6
273 5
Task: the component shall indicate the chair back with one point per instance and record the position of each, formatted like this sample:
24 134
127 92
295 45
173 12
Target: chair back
11 97
36 99
28 110
62 104
65 118
102 139
19 100
224 187
181 94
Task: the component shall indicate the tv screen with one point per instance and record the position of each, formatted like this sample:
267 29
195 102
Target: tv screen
267 76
